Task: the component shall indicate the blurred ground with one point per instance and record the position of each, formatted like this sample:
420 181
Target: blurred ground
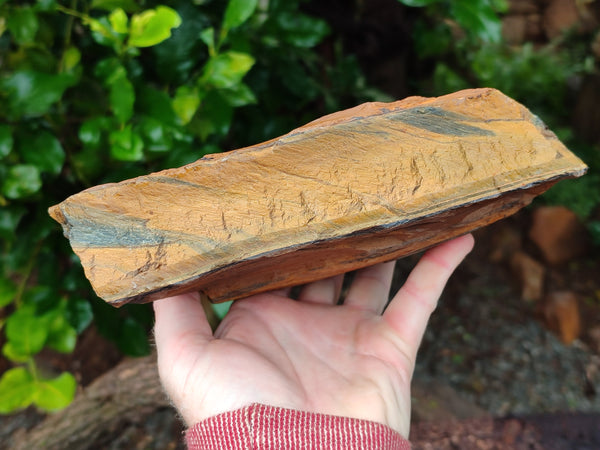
490 373
494 347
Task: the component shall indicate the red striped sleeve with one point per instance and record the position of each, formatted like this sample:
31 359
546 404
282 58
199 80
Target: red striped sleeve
262 427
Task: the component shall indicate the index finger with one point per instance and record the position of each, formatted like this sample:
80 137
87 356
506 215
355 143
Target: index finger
410 309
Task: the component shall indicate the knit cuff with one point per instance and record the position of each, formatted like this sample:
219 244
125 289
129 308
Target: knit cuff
272 428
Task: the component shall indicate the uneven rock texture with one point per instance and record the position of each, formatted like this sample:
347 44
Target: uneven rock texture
368 184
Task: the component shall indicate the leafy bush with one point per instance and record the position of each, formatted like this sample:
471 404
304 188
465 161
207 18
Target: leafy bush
103 90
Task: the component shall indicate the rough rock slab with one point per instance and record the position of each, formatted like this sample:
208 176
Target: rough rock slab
369 184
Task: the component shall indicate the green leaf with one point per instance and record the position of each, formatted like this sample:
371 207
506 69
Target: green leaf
8 290
103 33
55 394
6 140
186 103
122 98
62 337
133 338
478 18
31 93
208 37
42 150
301 30
126 145
70 59
17 387
9 219
153 26
237 12
239 95
15 354
26 332
118 21
79 313
111 5
23 25
227 69
21 181
90 132
156 136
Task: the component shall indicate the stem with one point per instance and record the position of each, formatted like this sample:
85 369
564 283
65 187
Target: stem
220 40
68 31
72 12
32 368
70 24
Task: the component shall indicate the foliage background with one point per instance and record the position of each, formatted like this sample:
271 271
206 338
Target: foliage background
96 91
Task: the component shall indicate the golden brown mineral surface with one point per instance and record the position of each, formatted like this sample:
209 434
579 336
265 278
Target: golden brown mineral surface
368 184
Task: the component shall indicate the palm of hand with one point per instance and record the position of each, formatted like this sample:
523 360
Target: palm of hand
308 354
300 355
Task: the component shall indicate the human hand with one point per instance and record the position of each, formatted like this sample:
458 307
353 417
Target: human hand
308 354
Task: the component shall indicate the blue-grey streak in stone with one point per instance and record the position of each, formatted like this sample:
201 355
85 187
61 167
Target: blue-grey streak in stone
92 227
116 232
439 121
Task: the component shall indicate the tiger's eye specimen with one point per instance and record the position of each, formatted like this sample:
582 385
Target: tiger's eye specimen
364 185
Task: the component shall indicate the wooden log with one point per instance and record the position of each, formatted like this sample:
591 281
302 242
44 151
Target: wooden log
126 394
369 184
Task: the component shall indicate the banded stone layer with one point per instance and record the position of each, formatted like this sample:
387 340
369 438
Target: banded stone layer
369 184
